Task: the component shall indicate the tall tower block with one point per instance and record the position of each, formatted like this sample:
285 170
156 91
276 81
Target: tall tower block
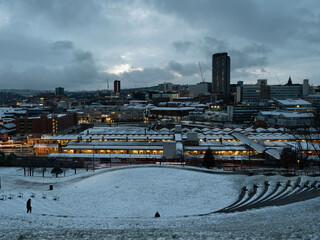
221 77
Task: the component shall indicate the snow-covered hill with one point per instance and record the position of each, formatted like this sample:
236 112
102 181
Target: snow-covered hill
109 203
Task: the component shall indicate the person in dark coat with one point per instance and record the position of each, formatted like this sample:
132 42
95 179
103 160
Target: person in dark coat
157 215
29 206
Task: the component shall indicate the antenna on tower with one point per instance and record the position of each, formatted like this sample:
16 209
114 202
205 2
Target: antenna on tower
201 72
108 84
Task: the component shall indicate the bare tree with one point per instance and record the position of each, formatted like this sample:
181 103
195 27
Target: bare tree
307 140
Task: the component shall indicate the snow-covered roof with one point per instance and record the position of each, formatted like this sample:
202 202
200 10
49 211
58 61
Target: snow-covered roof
112 147
260 130
109 155
45 145
307 146
293 102
287 114
237 129
9 125
173 108
215 148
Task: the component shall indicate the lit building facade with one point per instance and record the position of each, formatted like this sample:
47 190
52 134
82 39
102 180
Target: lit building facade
52 123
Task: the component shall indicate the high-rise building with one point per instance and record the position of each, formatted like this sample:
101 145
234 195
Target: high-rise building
221 77
59 91
305 87
116 87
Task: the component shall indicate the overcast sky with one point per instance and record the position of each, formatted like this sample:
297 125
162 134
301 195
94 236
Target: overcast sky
78 44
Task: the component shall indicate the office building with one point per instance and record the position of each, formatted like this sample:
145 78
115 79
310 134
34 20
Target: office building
201 88
262 90
221 77
59 91
46 123
116 87
285 119
246 112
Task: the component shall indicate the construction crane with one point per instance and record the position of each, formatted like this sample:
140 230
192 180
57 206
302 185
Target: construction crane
201 72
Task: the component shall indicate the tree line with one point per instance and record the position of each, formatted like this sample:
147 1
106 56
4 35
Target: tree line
289 158
29 164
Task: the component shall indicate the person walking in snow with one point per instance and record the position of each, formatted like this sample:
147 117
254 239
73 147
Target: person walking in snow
157 215
29 206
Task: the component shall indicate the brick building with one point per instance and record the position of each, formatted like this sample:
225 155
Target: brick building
52 123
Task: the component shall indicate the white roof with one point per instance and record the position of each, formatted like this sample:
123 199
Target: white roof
260 130
294 102
287 114
110 147
173 108
98 156
237 130
45 145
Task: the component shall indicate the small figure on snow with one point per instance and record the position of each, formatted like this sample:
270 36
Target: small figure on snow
29 206
157 215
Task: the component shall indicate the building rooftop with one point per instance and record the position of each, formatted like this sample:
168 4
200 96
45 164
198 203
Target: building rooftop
287 114
293 102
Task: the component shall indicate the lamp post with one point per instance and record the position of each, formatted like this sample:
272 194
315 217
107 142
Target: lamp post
110 158
92 157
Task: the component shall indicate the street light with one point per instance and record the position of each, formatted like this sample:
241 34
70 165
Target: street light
92 157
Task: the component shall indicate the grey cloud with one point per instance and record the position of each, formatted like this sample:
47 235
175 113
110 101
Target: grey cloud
187 69
62 14
150 75
257 48
250 55
162 37
182 46
21 48
81 56
242 59
210 45
80 73
244 75
58 45
264 21
216 44
72 77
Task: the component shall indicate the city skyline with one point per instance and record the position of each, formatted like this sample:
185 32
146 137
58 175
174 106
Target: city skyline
79 45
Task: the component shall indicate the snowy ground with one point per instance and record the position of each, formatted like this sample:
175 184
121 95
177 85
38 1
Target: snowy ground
113 203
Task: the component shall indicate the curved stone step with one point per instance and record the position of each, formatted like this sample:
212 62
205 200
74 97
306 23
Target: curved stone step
271 194
271 198
295 188
287 195
246 205
287 199
284 190
306 194
241 198
303 193
262 194
314 184
250 196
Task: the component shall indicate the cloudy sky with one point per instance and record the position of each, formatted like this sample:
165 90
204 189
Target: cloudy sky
79 44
